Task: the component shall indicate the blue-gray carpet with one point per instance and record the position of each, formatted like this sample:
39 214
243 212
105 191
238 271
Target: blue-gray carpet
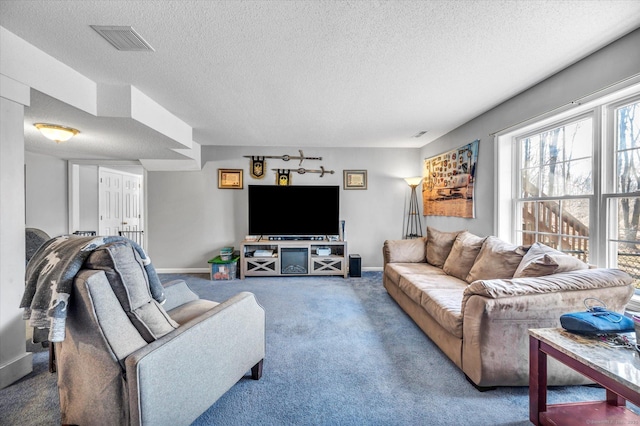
339 352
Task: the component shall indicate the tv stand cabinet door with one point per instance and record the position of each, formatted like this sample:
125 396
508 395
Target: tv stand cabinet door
328 265
261 266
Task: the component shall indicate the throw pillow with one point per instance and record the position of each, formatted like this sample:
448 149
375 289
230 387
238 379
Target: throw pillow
439 246
497 260
543 260
126 274
409 251
463 255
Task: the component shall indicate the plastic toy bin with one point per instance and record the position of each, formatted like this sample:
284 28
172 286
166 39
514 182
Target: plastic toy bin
224 269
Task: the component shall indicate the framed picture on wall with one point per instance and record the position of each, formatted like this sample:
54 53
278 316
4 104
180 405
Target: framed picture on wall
355 179
230 178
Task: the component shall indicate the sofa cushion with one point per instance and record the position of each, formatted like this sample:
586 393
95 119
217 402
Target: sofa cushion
497 260
190 310
439 245
126 274
439 294
543 260
463 255
115 327
394 270
445 306
414 285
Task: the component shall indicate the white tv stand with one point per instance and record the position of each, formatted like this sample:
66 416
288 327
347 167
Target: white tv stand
293 257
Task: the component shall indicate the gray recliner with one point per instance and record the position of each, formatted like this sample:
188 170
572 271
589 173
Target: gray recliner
33 239
126 359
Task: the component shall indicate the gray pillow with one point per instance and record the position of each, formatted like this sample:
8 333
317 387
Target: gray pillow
463 255
126 274
543 260
497 260
439 246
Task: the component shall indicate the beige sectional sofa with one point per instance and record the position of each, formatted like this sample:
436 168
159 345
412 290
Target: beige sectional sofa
477 297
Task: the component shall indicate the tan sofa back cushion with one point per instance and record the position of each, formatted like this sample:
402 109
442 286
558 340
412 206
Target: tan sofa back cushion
543 260
439 246
463 255
497 260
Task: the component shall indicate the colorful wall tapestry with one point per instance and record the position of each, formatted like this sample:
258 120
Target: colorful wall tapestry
449 180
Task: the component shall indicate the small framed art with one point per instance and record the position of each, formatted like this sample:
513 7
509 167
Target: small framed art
355 179
230 178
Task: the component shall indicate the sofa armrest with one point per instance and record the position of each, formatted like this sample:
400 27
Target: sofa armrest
497 315
194 365
404 251
585 279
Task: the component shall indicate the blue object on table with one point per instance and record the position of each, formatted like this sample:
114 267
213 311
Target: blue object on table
596 320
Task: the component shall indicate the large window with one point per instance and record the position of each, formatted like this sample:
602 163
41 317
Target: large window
576 184
624 201
556 186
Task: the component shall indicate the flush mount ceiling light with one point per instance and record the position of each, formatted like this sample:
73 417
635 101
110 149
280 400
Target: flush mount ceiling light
55 132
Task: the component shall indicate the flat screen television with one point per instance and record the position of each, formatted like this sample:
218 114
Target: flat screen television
298 210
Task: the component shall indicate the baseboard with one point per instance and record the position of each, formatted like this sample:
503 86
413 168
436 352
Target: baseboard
16 369
372 268
183 270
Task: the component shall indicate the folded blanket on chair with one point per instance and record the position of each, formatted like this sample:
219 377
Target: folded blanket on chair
50 274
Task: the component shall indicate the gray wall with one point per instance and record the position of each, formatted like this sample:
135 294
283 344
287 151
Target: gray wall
190 219
88 192
46 192
609 65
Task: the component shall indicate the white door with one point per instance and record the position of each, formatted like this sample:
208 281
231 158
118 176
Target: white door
110 202
131 202
119 202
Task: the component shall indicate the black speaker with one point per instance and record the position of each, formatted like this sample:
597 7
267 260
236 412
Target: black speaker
355 263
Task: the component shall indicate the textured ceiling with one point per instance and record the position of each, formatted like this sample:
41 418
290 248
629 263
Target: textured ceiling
315 73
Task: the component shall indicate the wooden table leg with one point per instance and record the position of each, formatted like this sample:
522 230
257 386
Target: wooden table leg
615 399
537 381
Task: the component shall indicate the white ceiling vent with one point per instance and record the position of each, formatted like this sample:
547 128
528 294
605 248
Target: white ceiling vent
123 38
421 133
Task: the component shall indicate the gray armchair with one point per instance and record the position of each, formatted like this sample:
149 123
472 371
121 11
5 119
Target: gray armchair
126 359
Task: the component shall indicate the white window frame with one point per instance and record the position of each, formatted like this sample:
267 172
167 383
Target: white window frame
508 188
517 194
610 184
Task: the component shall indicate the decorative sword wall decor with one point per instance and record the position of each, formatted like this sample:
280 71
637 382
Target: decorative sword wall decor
258 164
302 171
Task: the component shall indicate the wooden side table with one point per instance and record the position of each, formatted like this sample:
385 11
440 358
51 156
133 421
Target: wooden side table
616 369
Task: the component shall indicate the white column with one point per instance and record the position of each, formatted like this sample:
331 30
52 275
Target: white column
15 362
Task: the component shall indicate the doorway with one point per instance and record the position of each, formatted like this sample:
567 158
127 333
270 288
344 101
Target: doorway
107 199
118 201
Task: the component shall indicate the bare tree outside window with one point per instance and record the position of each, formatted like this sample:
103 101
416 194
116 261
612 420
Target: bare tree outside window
556 182
628 182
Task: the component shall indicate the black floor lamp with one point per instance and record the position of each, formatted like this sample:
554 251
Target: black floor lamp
414 224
